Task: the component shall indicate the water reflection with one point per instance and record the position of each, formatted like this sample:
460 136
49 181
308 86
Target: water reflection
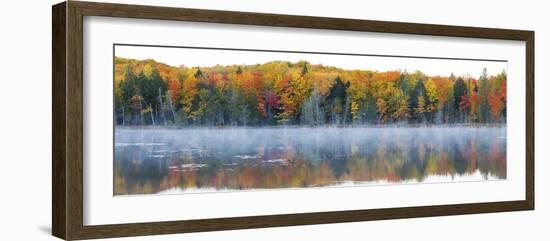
190 160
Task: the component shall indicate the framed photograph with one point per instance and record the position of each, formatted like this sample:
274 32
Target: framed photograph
171 120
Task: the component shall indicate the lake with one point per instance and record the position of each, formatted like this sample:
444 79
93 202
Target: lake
149 161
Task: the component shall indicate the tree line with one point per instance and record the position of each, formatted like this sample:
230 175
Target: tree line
300 93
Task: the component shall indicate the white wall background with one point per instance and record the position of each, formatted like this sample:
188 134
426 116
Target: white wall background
25 119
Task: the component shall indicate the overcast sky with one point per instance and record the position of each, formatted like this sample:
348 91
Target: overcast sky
205 58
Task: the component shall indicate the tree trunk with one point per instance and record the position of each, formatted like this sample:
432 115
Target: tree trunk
140 111
123 116
171 106
162 107
151 112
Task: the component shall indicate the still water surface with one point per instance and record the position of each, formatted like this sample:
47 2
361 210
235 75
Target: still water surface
149 161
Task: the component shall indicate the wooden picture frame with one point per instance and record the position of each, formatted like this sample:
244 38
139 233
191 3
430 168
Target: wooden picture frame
67 123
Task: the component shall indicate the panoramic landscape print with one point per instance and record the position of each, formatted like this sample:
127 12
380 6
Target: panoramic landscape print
190 120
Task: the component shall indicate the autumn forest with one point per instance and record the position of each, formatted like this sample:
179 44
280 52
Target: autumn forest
274 93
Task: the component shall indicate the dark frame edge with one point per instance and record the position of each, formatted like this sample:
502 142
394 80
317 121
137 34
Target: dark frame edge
74 122
284 220
67 121
298 21
59 180
530 119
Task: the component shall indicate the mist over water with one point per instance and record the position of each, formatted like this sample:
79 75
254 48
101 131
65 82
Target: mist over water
150 161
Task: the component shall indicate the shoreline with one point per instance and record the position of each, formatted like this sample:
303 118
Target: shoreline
377 126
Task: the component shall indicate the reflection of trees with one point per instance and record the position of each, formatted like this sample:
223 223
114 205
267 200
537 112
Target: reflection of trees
284 164
135 175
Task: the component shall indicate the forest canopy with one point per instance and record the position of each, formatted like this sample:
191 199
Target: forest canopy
299 93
